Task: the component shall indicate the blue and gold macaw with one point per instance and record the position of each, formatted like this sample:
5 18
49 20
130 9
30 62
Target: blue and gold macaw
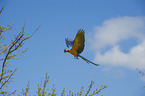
75 47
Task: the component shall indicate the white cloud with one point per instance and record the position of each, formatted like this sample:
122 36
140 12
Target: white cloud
114 30
111 33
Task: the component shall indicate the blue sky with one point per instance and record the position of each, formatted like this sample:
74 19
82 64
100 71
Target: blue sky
114 31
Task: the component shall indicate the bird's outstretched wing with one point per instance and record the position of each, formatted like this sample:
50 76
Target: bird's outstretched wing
88 60
78 44
69 43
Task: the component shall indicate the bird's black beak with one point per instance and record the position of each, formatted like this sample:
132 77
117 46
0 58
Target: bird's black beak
65 50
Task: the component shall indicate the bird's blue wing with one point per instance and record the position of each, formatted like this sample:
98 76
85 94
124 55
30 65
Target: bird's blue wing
69 43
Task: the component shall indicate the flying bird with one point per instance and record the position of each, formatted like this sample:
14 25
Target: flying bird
76 46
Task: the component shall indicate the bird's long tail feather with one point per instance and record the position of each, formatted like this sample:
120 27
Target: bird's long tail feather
88 60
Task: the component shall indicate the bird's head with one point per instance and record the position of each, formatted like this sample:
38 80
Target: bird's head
66 50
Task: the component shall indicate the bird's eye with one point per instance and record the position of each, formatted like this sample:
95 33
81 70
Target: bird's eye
65 50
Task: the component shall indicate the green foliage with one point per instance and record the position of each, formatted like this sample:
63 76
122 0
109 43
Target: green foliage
44 91
41 88
25 91
10 51
1 10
